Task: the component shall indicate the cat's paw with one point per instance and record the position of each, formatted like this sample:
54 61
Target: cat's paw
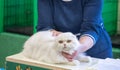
74 63
86 59
71 63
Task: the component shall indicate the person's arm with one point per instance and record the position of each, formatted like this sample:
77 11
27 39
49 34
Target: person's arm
92 14
92 19
45 15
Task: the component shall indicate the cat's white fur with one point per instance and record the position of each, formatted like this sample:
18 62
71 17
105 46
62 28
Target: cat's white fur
42 46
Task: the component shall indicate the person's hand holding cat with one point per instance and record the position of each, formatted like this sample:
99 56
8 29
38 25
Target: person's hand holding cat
70 57
55 33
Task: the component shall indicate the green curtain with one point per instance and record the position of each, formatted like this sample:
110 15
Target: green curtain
1 15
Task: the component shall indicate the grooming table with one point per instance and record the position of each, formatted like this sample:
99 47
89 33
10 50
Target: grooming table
19 62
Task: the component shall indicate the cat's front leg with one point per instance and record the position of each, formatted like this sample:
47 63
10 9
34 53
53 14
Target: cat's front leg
86 59
73 63
62 60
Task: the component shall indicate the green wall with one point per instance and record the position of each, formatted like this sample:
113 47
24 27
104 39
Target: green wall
1 15
35 15
110 16
18 12
10 44
18 16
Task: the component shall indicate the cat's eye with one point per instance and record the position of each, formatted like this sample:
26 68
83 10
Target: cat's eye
60 41
68 41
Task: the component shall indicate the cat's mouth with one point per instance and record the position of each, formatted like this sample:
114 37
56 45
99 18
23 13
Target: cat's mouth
66 48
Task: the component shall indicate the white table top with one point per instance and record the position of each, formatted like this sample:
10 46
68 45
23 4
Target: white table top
18 58
97 64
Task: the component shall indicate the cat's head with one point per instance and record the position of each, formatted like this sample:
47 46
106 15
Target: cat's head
66 42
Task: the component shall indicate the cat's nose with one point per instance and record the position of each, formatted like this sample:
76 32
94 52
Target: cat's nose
64 45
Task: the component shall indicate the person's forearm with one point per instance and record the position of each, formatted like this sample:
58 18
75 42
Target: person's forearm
86 43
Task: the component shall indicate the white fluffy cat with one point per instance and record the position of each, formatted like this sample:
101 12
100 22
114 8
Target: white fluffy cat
42 46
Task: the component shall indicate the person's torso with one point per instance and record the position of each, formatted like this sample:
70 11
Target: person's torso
68 15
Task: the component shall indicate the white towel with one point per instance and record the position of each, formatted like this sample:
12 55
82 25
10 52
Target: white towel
107 64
